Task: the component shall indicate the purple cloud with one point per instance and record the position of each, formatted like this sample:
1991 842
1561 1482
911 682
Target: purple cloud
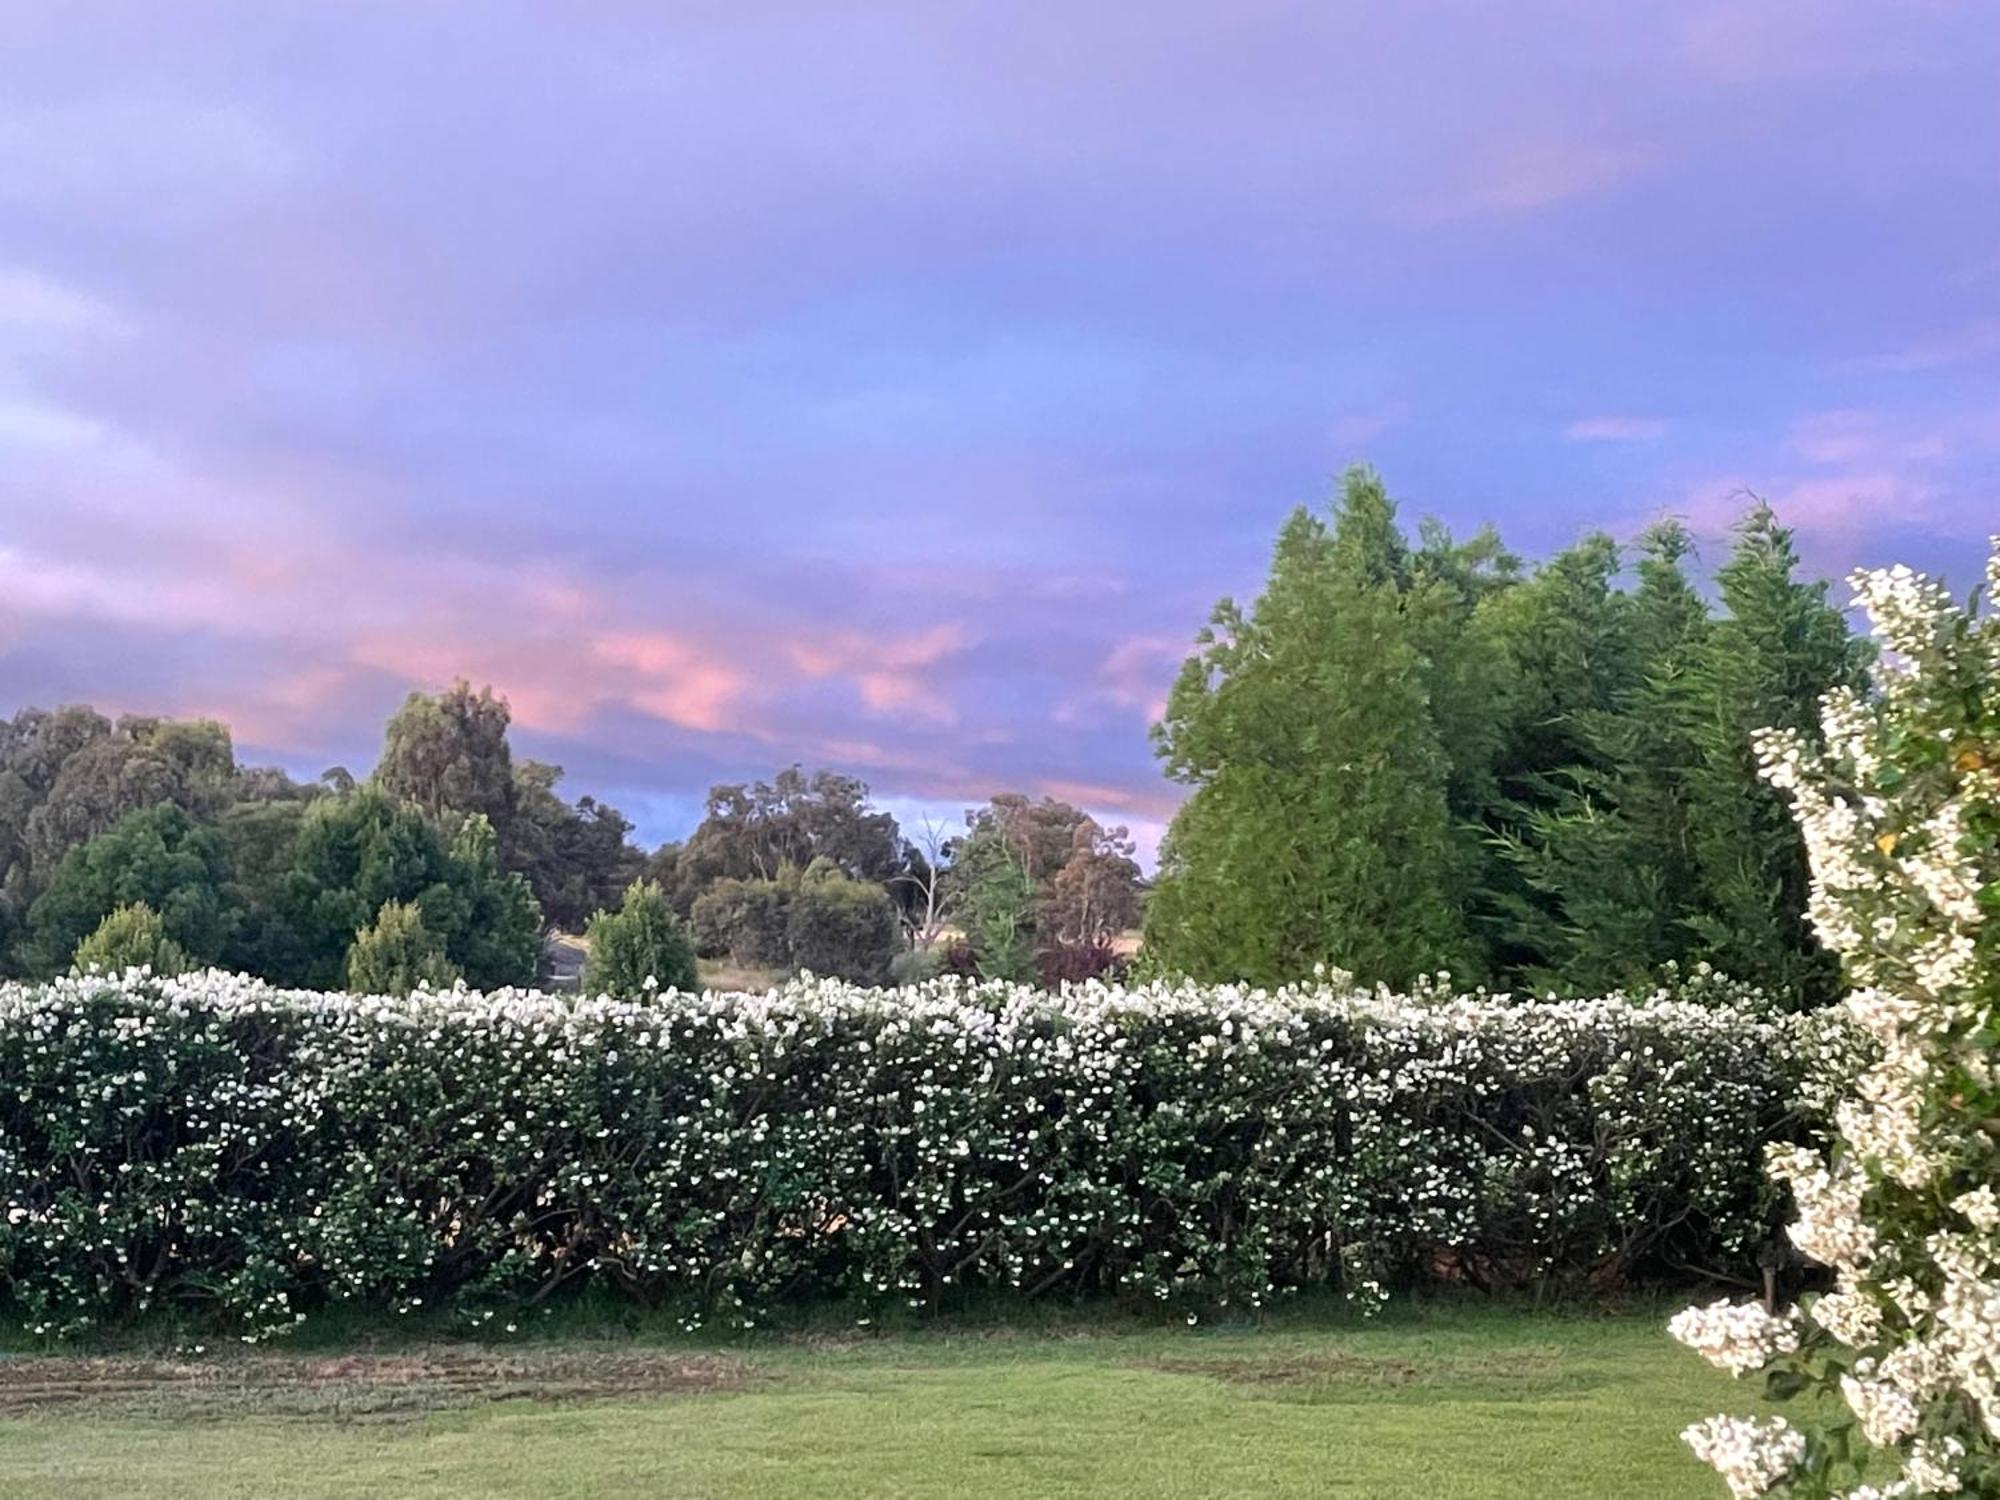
898 387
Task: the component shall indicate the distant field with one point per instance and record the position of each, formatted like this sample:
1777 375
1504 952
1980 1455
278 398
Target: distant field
1472 1404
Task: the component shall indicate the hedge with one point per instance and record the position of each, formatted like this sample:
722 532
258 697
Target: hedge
212 1146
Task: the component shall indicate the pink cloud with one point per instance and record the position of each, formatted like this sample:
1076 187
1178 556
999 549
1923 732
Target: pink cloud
1139 671
890 673
1852 436
679 681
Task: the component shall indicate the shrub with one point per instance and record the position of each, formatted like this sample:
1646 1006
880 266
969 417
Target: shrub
160 857
916 966
1073 963
842 929
1901 817
395 954
640 948
213 1143
745 919
132 937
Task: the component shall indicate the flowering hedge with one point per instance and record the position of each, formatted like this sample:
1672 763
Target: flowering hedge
208 1142
1900 807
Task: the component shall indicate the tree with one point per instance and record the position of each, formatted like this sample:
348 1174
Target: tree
1318 828
1768 663
750 920
396 954
496 925
1094 896
639 948
258 839
751 832
998 903
159 857
926 894
354 853
1564 635
131 937
1604 844
139 763
577 859
841 928
449 754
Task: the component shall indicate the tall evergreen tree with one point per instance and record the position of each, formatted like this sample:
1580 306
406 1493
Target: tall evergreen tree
1565 635
1319 828
1781 647
1608 859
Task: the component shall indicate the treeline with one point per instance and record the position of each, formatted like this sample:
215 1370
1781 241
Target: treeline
144 841
1408 756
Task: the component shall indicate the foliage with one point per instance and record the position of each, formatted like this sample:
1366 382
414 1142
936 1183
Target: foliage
1031 876
747 919
395 954
1073 963
159 857
753 831
131 937
494 924
355 852
578 859
1603 845
213 1143
1899 803
1781 648
1319 826
917 965
841 928
449 754
997 907
68 775
640 949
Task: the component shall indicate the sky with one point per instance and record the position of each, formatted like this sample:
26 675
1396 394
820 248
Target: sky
895 387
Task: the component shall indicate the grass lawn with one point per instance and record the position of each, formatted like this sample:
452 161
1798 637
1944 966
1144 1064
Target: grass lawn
1425 1404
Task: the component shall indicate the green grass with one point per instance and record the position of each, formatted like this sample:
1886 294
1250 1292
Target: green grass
1445 1403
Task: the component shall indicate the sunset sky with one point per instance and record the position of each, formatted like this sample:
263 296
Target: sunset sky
894 387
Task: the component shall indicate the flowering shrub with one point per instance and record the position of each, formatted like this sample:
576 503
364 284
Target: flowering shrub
1901 815
210 1142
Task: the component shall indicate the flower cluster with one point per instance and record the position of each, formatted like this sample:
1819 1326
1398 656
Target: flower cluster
210 1142
1899 803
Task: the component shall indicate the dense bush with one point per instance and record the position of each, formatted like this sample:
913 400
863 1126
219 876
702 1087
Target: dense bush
160 857
396 953
746 920
215 1144
132 937
1899 802
842 929
639 948
817 920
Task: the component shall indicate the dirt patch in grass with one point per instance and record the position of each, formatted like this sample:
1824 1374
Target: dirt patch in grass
356 1387
1357 1369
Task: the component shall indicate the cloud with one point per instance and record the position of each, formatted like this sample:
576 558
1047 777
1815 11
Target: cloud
1768 41
30 424
1851 436
1975 343
1616 430
31 300
1355 429
1521 176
